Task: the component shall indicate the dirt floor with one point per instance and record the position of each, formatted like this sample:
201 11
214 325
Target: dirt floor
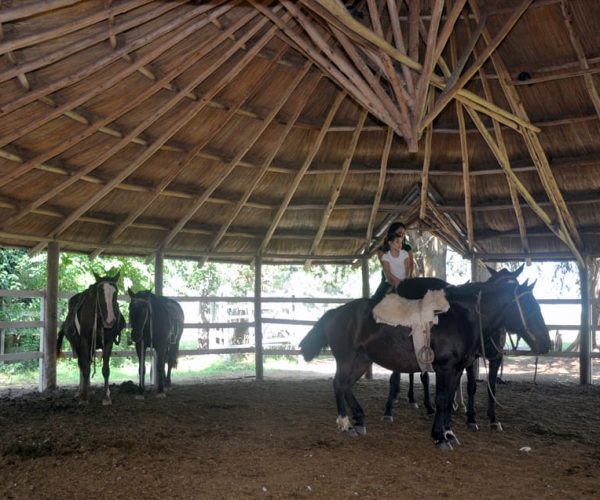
276 438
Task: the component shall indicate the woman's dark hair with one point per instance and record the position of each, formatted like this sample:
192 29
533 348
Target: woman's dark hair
391 236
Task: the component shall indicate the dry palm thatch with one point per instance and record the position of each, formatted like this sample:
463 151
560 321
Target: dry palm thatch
300 130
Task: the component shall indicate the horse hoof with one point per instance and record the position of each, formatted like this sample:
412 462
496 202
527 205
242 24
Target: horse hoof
413 405
83 402
106 402
496 426
472 426
444 446
451 438
387 418
361 430
161 395
139 397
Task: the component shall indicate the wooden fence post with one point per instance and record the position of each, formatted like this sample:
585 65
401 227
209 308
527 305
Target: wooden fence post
366 293
585 345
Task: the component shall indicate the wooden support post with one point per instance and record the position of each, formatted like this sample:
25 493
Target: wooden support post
585 351
158 290
366 293
258 338
48 374
159 261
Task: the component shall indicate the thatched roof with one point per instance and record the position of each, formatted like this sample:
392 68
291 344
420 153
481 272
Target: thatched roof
296 129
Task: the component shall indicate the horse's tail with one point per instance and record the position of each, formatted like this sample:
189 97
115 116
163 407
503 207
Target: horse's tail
174 346
316 338
59 341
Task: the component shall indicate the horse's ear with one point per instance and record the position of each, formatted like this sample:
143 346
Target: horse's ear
130 292
116 277
492 271
530 287
518 271
97 276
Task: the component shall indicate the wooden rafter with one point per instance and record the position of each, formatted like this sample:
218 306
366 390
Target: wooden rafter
567 11
264 167
385 155
451 90
184 162
339 182
188 115
425 174
125 140
567 224
298 177
399 41
113 78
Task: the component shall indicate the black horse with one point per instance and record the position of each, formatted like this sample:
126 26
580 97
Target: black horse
94 321
475 310
493 352
155 322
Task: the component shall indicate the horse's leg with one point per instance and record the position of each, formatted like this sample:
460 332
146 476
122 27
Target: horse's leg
169 366
445 385
106 352
388 414
426 394
160 368
345 376
472 424
494 365
141 354
84 378
411 391
448 433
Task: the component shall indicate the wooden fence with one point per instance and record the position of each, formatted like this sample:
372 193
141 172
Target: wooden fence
249 349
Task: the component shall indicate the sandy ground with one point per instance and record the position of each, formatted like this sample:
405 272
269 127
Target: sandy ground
276 438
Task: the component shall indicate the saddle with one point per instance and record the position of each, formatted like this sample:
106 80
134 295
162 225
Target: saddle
419 315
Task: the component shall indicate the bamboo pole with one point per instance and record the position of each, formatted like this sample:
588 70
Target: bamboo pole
381 184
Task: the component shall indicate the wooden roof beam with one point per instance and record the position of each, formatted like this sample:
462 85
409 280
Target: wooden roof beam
568 17
452 89
362 34
298 177
101 123
425 174
336 188
183 163
264 167
399 42
113 79
394 80
565 219
362 91
311 52
189 114
385 155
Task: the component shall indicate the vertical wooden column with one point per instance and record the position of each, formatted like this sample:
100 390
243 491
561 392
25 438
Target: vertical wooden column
158 290
585 345
158 272
48 374
366 293
258 337
475 273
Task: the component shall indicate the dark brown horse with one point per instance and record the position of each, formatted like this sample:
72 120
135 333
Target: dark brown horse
156 322
94 321
476 310
493 353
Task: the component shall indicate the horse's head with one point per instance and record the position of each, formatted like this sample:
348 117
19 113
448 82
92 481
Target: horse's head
518 311
139 313
106 298
504 274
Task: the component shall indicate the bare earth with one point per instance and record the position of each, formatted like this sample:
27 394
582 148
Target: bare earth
277 439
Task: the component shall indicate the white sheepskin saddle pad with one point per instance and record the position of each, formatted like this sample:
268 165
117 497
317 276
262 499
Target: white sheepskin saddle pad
395 310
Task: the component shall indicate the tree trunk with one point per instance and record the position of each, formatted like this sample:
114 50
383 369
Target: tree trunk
429 254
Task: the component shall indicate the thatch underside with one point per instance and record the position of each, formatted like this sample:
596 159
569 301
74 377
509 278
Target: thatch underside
300 130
